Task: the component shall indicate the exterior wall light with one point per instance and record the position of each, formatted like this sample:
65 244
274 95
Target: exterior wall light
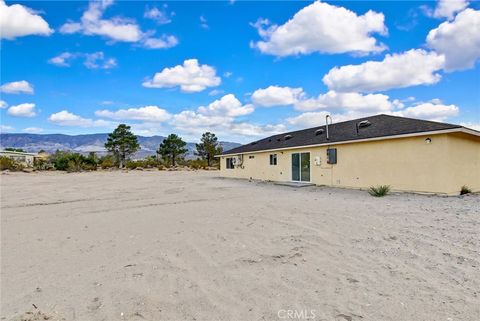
428 140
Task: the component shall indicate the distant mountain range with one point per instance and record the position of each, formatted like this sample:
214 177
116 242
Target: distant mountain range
86 143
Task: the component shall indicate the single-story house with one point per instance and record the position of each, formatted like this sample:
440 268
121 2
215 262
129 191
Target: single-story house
407 154
26 159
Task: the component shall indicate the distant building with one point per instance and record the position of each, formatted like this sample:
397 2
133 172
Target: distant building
26 159
407 154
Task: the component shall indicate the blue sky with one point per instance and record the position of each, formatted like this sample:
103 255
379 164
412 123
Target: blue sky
240 69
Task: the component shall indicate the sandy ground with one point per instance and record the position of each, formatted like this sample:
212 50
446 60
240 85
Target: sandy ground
191 246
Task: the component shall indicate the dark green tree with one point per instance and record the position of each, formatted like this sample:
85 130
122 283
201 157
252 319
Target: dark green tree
208 147
172 148
12 149
122 143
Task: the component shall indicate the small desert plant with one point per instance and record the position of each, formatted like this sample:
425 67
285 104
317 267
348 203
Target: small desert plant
72 162
75 162
42 164
379 191
147 162
10 164
465 190
151 161
132 164
197 163
107 161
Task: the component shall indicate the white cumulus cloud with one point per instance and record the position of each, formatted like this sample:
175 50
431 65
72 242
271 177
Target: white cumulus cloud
471 125
219 114
433 110
190 77
228 106
22 110
458 40
116 29
317 118
370 103
18 21
277 96
448 8
220 117
17 87
163 42
203 22
160 16
62 60
3 104
215 92
147 113
97 60
249 129
411 68
92 23
33 130
6 128
66 118
194 123
322 27
308 119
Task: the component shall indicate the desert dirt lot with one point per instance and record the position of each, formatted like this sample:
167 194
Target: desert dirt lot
192 246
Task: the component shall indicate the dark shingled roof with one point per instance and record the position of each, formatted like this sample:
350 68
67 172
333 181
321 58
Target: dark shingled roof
381 126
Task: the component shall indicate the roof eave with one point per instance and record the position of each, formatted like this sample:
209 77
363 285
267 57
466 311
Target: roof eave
434 132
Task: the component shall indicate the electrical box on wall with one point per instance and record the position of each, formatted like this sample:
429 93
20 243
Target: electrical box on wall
317 161
331 156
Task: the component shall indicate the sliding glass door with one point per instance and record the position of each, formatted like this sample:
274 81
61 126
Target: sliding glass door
301 167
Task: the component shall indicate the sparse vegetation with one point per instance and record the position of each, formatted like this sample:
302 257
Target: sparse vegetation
465 190
122 144
147 162
379 191
198 164
73 162
132 164
107 161
10 164
41 164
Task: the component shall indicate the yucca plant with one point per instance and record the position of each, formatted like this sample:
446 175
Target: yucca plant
379 191
465 190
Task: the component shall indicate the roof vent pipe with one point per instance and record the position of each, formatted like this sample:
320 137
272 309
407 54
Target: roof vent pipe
326 121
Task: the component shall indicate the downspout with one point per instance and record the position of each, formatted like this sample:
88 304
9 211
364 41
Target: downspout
326 125
328 138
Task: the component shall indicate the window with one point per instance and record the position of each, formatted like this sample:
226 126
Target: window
273 159
230 163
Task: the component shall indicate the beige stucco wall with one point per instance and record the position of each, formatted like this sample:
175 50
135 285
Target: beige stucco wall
406 164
